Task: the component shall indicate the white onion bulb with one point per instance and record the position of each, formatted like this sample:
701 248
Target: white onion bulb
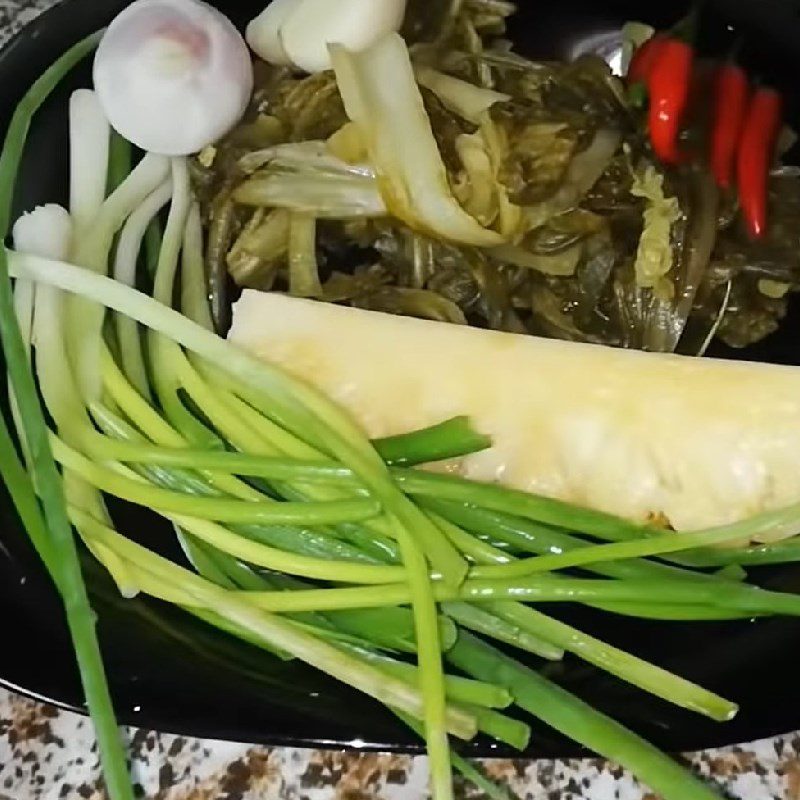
45 232
173 76
298 32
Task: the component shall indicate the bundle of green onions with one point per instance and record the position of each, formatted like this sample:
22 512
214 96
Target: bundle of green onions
296 526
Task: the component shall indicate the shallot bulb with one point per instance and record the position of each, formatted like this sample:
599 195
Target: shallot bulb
173 76
298 32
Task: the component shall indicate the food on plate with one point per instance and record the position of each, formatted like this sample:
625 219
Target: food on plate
173 76
296 33
578 227
651 437
433 174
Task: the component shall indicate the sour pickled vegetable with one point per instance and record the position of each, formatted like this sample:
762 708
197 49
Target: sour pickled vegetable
490 189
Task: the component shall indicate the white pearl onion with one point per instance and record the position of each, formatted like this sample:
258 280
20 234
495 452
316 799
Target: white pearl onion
173 76
298 32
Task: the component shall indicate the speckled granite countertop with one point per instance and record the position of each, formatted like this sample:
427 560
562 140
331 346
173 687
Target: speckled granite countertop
47 754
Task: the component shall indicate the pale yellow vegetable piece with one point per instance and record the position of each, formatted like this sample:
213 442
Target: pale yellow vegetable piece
698 441
263 33
382 98
462 97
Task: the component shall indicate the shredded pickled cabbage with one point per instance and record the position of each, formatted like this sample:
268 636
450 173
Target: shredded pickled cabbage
382 97
654 257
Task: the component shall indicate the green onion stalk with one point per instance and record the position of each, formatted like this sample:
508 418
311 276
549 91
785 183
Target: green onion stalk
246 428
413 529
316 542
161 318
49 525
543 589
580 722
471 772
309 415
165 580
527 536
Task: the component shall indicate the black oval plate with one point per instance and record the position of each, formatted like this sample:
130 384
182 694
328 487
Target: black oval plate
170 673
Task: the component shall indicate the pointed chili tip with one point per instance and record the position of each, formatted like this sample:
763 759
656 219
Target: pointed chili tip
756 225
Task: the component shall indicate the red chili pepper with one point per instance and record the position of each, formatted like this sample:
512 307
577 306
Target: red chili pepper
643 60
670 82
731 96
756 153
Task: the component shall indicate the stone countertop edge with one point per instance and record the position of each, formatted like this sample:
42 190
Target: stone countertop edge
48 754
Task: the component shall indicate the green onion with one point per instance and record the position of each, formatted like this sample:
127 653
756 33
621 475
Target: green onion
526 536
567 714
120 161
308 414
377 546
674 613
219 509
318 542
443 556
194 288
587 521
278 633
745 600
782 552
164 353
84 319
450 439
240 632
202 558
499 726
280 561
19 485
649 546
227 572
472 547
152 247
315 543
617 662
493 625
67 576
129 244
459 690
390 628
548 589
146 419
634 670
640 673
491 789
512 501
